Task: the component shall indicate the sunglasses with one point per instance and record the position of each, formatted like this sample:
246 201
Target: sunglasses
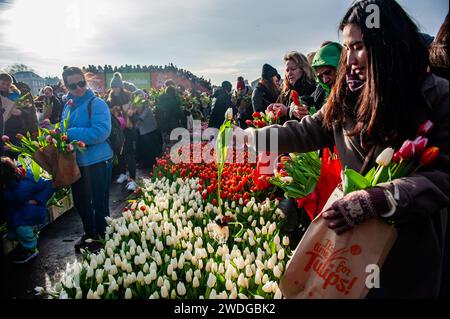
73 86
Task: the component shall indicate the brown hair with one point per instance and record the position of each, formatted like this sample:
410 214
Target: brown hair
397 59
439 47
6 77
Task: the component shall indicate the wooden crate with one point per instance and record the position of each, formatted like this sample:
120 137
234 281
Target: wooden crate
54 211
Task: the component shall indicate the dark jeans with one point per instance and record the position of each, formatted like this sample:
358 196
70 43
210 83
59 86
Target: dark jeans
149 146
128 161
91 197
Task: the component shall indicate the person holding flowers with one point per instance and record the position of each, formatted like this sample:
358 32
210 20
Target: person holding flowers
298 77
386 98
91 191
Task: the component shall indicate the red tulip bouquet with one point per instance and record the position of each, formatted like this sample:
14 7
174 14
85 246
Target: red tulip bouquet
261 119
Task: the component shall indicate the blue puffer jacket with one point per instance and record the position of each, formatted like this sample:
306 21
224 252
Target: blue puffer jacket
18 211
94 132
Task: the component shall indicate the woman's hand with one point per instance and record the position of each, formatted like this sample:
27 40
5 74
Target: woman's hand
298 112
280 110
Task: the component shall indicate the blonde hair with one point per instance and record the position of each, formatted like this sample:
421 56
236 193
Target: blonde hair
300 60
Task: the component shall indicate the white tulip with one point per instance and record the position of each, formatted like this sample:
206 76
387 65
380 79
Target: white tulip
385 157
174 276
153 274
277 272
160 282
272 228
278 294
242 296
90 294
229 114
211 280
195 282
285 240
128 294
286 179
265 279
241 280
258 276
213 294
164 292
181 289
100 290
248 271
229 285
79 294
281 254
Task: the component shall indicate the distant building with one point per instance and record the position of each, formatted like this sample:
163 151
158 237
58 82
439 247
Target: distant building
51 80
34 81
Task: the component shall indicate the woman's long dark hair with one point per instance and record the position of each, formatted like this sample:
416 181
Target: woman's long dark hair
397 65
439 51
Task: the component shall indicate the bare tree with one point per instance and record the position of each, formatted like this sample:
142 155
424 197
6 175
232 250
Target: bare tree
18 67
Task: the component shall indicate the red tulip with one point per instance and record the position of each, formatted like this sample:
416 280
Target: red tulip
256 114
407 150
70 102
425 128
396 158
64 138
429 156
420 143
295 98
249 122
81 144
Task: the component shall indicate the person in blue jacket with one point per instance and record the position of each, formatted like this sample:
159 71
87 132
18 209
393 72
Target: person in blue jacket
91 191
25 206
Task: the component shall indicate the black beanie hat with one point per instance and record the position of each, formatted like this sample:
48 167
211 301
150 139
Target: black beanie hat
268 71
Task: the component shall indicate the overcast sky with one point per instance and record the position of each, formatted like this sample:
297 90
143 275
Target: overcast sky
219 40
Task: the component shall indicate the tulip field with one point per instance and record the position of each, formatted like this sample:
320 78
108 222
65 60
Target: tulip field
172 241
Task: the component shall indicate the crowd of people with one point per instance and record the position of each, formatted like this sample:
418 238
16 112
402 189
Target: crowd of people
371 91
152 68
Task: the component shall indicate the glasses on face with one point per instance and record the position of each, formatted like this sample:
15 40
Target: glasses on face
73 86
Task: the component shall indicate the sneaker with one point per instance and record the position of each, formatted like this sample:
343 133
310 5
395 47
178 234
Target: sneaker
131 186
122 178
26 256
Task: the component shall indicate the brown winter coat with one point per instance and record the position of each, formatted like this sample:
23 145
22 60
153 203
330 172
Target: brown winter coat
413 268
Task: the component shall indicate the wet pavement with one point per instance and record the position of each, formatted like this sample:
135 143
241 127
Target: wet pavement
56 249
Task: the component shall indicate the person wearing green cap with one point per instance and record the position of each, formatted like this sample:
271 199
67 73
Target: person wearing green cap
325 64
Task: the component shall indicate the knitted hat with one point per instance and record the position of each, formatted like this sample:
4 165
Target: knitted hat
116 81
268 71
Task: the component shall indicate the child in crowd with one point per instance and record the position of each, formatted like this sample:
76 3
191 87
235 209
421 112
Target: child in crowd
26 206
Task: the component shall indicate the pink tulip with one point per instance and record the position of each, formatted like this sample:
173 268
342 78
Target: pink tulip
70 147
420 143
425 128
5 138
407 150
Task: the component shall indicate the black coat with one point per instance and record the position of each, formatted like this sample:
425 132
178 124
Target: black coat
57 108
262 98
220 104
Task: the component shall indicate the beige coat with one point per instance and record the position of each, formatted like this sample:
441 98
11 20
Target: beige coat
414 266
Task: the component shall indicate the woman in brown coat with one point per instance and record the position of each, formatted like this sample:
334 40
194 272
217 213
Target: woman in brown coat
380 101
